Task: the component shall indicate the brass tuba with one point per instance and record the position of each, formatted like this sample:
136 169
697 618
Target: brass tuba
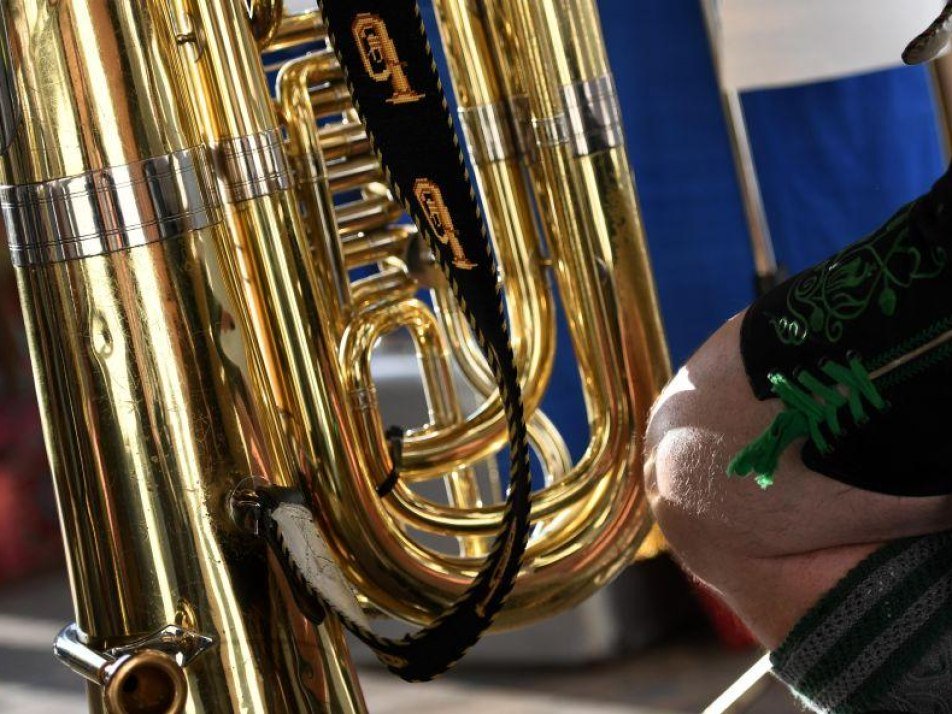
186 238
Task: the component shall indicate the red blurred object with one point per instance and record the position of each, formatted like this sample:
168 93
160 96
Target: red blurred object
29 529
29 533
730 630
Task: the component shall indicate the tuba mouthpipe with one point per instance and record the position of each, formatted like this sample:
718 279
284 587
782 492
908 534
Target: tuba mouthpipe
139 678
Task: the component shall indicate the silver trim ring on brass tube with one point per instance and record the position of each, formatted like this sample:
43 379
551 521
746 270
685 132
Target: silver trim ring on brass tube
252 166
109 209
551 131
489 135
521 115
594 117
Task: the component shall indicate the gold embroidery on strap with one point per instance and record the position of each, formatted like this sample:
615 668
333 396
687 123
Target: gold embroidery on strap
380 57
440 220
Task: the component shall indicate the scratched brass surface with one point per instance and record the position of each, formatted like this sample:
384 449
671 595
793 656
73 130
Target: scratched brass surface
151 394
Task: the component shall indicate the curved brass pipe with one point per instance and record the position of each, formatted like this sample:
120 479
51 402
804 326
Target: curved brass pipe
601 458
463 443
590 521
533 318
150 392
264 17
181 408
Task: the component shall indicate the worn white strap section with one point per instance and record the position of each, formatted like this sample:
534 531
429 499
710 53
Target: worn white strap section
771 43
313 559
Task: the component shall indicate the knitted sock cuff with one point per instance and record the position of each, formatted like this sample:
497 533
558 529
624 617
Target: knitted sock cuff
880 640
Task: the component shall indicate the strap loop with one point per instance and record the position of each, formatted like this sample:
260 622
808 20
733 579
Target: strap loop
395 435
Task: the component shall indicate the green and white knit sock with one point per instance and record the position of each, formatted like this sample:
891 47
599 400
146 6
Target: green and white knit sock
881 640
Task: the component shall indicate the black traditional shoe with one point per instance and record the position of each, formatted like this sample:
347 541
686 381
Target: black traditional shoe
859 350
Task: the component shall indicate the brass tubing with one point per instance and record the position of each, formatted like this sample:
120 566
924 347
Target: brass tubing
590 539
508 209
437 579
272 272
299 28
144 382
377 245
587 58
313 190
265 16
467 47
366 215
299 377
483 432
368 327
353 172
333 98
569 569
342 140
390 285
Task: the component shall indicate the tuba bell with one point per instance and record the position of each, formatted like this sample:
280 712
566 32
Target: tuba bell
209 246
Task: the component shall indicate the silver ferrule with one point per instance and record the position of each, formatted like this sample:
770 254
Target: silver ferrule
521 116
109 209
252 166
489 135
551 131
10 115
594 116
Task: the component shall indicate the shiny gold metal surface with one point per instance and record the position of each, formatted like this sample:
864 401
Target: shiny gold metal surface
591 515
147 384
196 319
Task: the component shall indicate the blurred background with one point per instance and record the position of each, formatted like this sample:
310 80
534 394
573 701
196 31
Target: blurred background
763 138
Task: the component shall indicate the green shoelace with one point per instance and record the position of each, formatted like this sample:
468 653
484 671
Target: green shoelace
811 409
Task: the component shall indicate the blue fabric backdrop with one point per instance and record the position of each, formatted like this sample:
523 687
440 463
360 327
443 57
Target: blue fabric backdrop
835 159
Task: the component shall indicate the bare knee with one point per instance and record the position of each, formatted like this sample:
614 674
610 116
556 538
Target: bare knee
698 423
770 553
702 420
738 539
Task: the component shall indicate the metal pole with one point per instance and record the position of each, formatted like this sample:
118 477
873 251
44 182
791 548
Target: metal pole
767 272
744 691
941 72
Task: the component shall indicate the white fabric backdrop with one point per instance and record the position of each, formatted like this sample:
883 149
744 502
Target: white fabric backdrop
769 43
302 5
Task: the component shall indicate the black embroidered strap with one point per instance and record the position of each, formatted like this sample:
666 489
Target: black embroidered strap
388 65
394 438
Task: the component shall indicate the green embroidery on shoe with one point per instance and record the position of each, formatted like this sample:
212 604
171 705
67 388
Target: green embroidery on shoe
915 342
842 289
912 369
